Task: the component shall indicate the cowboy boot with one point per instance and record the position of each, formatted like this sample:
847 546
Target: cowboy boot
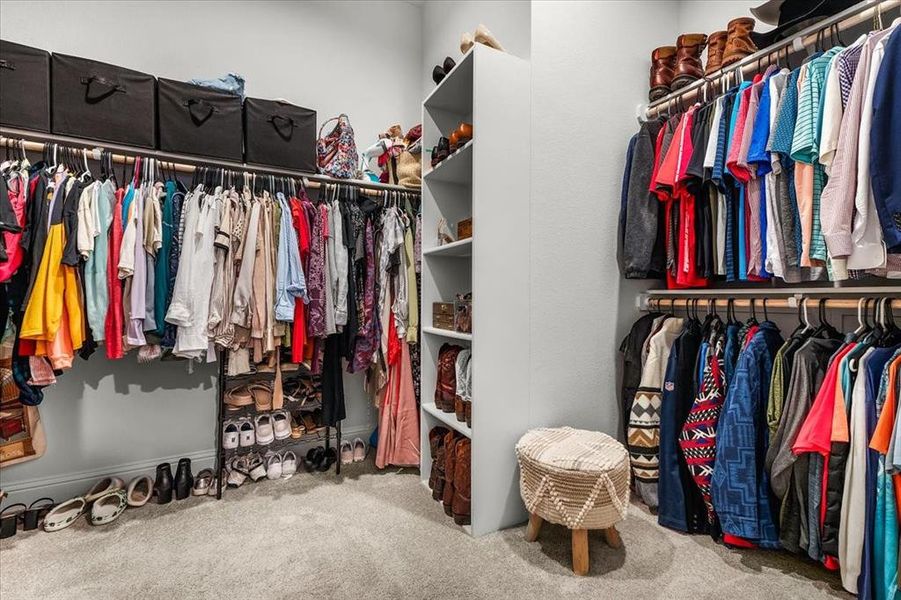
436 440
663 61
738 43
716 45
462 482
688 59
450 457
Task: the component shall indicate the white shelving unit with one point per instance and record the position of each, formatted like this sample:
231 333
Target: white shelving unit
486 179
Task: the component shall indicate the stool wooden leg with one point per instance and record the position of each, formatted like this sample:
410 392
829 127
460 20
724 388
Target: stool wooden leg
580 551
534 527
611 536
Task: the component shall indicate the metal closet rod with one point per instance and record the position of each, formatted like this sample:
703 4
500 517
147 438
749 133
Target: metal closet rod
177 161
853 16
785 303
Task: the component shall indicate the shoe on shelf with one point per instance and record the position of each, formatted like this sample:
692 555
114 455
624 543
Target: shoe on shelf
347 453
246 435
237 471
466 42
297 429
688 59
162 485
103 487
289 464
311 422
139 491
359 450
281 427
230 435
441 151
716 46
265 434
37 510
739 43
108 507
256 467
202 483
663 65
274 467
460 506
64 514
184 479
483 36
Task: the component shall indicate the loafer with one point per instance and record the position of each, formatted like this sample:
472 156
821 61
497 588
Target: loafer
139 491
289 464
108 507
103 487
64 514
246 435
281 425
264 433
230 435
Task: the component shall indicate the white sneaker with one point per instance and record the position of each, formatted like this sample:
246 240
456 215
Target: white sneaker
289 464
274 467
281 425
265 434
247 437
230 435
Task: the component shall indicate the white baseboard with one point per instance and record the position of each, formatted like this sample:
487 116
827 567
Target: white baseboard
68 485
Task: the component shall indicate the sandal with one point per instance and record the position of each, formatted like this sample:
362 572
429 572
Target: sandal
237 398
309 423
262 396
237 472
347 453
33 516
297 429
9 521
359 450
256 467
202 483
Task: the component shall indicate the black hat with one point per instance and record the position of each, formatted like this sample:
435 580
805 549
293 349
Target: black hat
791 16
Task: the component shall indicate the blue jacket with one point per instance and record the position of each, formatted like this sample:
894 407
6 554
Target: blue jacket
740 487
885 144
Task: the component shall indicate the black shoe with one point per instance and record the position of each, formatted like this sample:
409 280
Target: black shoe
314 458
329 458
184 480
162 485
438 74
442 150
448 65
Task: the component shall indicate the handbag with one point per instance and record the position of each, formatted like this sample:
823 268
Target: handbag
336 152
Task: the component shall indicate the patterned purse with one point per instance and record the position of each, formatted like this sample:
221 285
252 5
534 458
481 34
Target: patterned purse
336 152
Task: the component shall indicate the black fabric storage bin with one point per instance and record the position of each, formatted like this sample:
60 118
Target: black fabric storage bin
279 134
197 120
24 86
104 102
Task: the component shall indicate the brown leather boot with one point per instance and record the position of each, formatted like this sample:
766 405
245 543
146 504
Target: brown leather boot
688 59
663 61
436 440
462 482
716 44
739 43
438 464
450 457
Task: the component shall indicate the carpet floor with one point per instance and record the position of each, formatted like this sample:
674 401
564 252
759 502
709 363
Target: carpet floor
375 535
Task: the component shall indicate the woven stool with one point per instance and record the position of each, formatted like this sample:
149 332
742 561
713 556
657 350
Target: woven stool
575 478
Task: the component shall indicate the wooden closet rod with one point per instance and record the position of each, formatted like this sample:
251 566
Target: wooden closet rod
126 155
851 17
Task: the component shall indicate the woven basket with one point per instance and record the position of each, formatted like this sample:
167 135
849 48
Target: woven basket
574 477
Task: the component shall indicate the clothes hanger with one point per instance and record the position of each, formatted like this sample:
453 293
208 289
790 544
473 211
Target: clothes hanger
825 330
766 316
752 319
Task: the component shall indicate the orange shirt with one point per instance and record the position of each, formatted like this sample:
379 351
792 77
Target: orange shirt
882 436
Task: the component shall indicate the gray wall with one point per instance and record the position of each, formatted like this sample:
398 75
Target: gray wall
360 58
589 72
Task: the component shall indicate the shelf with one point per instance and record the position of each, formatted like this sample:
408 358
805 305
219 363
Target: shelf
454 93
458 249
456 168
448 419
454 335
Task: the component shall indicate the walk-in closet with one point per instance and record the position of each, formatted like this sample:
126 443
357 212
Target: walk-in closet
433 299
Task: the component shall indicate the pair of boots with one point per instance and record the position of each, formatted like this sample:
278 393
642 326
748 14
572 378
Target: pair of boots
674 67
164 484
451 478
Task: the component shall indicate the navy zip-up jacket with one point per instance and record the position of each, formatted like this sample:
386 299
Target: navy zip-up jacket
885 144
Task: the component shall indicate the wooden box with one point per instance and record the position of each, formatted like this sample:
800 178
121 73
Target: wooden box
443 315
464 229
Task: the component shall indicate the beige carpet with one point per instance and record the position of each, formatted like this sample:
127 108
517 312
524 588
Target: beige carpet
374 535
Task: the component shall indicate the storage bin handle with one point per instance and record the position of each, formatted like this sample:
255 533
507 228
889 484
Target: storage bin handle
289 122
111 87
199 104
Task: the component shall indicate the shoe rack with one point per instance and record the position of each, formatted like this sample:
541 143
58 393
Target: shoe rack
486 179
